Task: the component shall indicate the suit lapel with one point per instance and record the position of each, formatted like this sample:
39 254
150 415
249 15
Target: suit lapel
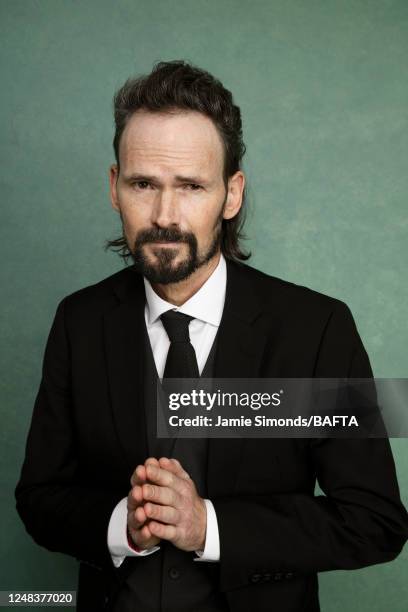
239 355
124 354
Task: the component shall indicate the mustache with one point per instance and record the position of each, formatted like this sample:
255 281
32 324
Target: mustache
166 234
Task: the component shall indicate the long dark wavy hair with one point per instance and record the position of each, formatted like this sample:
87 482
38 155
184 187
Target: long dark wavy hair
181 85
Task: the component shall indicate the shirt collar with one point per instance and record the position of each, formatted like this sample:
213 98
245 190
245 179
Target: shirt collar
206 304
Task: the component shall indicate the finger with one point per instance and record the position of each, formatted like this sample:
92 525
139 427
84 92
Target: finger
161 495
139 476
151 461
140 516
174 466
145 535
164 478
137 518
165 532
164 514
135 497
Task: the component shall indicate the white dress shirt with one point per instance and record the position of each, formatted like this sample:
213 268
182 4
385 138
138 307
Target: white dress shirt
206 307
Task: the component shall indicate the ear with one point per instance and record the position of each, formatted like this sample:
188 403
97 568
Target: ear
236 184
113 178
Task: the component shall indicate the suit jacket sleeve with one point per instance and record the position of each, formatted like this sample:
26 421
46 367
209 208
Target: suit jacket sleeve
359 521
60 511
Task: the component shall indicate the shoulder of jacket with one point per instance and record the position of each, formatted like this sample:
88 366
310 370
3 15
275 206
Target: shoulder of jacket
101 294
274 291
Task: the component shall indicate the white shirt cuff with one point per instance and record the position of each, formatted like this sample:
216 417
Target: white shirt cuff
211 550
117 536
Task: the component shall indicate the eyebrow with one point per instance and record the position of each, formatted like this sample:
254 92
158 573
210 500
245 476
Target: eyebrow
154 179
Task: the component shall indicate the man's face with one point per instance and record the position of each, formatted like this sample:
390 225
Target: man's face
170 192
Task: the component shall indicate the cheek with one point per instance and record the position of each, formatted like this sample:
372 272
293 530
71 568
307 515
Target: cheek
208 225
201 228
201 220
135 218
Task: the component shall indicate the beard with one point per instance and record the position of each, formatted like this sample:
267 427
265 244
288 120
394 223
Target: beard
164 271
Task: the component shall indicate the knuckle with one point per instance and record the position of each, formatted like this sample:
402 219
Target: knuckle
182 533
173 497
185 488
148 490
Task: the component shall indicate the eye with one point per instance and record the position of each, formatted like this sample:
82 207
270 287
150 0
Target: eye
194 186
141 184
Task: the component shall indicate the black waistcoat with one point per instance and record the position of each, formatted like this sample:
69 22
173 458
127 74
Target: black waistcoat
169 580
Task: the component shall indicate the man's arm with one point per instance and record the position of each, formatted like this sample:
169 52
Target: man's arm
359 521
60 511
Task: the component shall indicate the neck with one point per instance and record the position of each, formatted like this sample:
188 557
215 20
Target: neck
178 293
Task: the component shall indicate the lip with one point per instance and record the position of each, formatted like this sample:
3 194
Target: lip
165 244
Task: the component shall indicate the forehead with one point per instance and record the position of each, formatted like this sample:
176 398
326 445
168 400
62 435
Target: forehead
182 139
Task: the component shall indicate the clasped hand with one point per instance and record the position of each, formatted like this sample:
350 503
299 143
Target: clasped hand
163 503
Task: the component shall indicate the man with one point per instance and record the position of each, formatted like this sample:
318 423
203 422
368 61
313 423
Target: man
204 525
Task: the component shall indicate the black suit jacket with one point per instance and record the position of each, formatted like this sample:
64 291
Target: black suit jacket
88 434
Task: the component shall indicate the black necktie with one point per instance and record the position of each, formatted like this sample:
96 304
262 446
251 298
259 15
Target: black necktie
181 359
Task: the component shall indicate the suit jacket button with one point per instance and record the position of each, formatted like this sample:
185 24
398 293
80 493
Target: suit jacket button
289 575
174 573
255 577
278 576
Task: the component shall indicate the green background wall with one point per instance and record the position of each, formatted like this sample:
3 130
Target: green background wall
323 91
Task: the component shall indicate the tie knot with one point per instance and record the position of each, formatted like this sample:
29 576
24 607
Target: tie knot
176 325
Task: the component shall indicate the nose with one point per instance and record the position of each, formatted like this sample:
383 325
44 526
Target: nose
165 210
